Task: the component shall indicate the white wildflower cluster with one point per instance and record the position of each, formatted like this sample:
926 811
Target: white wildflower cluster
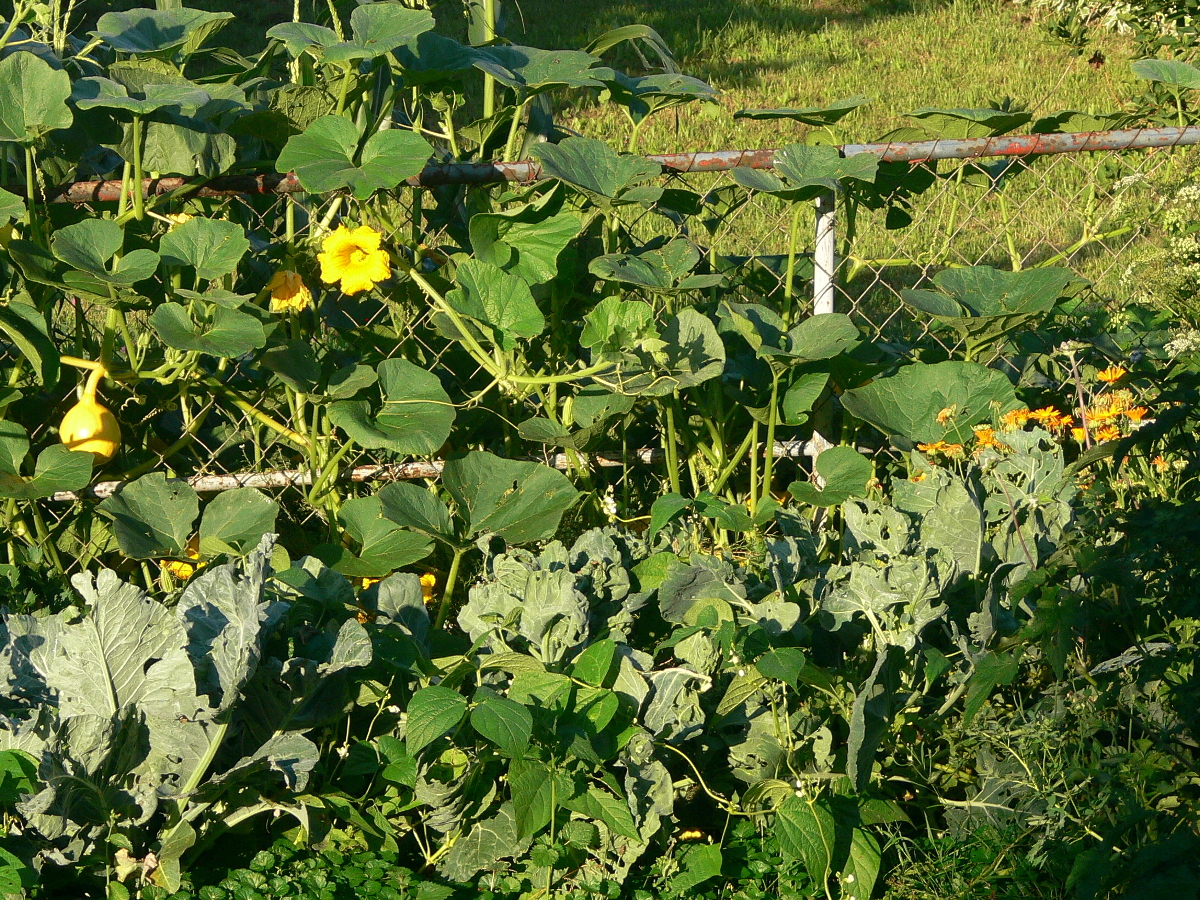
1184 342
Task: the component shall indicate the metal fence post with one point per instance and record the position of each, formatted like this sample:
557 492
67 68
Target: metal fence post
824 269
825 254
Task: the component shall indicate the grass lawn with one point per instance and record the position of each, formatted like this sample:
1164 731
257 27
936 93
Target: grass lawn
781 53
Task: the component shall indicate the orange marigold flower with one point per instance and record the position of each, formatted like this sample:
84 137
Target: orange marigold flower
1104 412
1112 374
1160 463
1107 433
1015 419
1136 413
985 436
947 414
1045 414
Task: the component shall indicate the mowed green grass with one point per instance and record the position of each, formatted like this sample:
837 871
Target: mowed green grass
794 53
904 55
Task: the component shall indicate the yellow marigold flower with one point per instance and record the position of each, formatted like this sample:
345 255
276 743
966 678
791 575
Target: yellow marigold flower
1045 415
182 570
1160 463
947 414
1104 412
941 447
1112 374
428 583
1015 419
354 258
1107 433
289 293
692 834
1136 413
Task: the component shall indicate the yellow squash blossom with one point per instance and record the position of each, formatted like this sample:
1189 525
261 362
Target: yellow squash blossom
428 583
182 570
1079 434
1112 374
289 293
354 258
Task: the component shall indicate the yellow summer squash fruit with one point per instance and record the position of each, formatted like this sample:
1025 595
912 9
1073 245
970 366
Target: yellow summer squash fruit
89 427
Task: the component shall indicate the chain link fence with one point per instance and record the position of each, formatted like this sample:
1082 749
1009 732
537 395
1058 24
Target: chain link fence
1115 208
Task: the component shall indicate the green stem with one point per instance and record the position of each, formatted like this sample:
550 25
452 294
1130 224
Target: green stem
753 467
257 414
510 146
139 195
489 35
670 449
793 239
769 460
341 103
448 593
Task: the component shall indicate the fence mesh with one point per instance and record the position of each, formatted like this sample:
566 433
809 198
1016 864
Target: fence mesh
1119 219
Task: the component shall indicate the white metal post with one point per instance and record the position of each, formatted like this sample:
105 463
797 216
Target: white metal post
825 254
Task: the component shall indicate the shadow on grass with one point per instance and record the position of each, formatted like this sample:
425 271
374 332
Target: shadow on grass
690 29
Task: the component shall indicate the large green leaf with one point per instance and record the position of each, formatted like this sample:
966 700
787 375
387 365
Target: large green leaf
499 300
909 403
663 270
26 328
1173 72
593 167
984 304
152 516
157 31
531 70
417 508
432 712
33 98
378 29
228 615
816 116
845 472
647 94
415 417
614 325
104 93
301 36
57 469
127 651
11 207
213 247
963 124
171 148
215 330
689 352
526 241
520 501
805 829
88 246
505 723
809 171
236 521
326 157
383 545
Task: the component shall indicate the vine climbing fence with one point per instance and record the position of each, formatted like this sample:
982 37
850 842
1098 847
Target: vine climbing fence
1113 207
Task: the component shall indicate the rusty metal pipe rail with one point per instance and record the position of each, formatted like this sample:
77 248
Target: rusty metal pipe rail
708 161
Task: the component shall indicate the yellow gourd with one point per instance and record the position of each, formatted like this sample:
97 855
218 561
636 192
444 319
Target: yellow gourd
90 427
